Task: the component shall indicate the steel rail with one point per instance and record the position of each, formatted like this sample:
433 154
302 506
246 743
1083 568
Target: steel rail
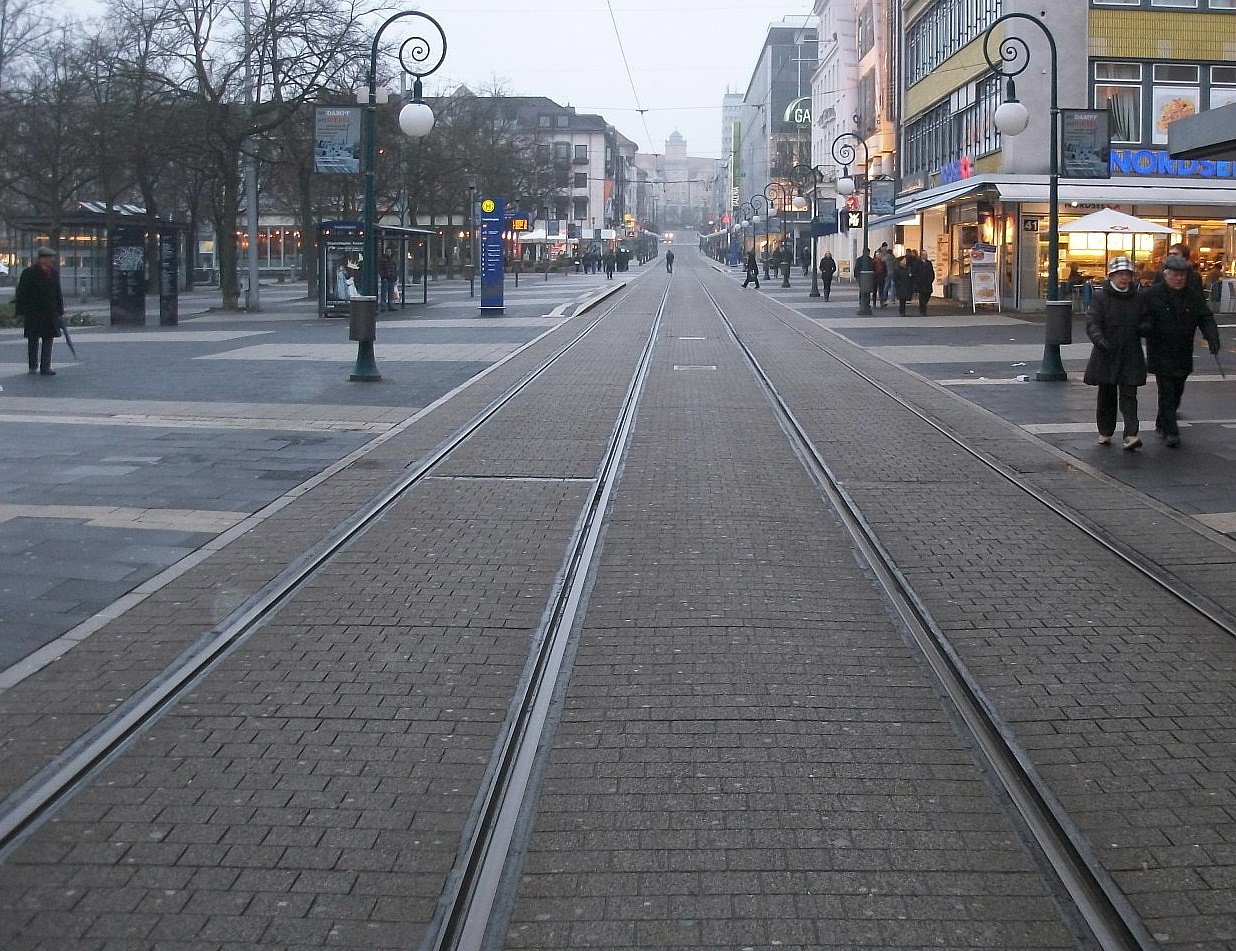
1102 907
466 910
74 767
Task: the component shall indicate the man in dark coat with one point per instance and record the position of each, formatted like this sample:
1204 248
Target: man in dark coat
40 305
1178 310
1116 321
864 264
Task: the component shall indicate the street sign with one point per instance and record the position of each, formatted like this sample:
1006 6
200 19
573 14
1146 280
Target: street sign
521 224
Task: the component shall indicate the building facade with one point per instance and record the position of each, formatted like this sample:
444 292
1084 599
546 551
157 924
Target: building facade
1132 65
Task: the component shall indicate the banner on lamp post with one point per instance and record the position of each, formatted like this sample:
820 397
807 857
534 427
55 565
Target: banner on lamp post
336 140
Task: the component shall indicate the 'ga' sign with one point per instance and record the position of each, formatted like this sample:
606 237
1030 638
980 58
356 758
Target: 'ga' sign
798 112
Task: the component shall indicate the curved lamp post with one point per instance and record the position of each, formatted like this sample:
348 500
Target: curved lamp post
809 177
844 154
418 57
759 214
783 205
1012 118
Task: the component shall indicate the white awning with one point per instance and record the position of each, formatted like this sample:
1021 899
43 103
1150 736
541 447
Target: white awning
1108 191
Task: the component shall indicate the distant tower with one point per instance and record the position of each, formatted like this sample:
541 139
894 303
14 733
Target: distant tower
676 175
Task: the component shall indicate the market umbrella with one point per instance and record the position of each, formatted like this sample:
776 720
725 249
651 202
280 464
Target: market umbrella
1115 222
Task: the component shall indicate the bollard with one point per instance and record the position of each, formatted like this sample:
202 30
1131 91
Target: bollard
1058 330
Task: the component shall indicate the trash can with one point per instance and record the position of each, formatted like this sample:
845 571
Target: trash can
1059 327
866 285
363 319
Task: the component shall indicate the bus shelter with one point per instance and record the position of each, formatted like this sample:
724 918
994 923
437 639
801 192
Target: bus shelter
341 248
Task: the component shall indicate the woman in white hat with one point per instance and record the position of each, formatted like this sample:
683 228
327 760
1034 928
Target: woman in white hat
1116 322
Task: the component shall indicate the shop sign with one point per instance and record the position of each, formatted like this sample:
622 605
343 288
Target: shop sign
881 194
1158 162
956 171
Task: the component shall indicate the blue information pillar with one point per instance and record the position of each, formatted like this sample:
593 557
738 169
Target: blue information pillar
492 223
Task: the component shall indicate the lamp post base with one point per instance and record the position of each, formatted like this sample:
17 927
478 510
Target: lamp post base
366 368
1051 369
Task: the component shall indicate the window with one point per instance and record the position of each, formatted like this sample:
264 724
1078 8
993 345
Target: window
1175 73
543 121
1125 105
581 155
562 151
1174 3
1222 86
581 179
579 208
564 121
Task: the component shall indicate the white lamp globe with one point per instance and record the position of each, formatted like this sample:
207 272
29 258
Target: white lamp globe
799 203
416 120
756 219
1011 118
845 185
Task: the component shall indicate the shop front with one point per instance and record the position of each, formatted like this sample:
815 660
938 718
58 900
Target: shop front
1010 215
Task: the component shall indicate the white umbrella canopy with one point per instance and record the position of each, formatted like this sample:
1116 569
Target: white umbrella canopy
1115 222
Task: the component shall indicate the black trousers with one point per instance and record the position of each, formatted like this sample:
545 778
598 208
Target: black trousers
752 276
1112 395
37 361
1171 389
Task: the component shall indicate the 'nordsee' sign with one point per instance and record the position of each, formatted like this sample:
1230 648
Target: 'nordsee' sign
1160 163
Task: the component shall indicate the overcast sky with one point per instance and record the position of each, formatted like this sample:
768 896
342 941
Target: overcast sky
682 55
674 59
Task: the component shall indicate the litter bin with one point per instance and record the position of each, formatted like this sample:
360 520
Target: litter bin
363 319
1059 327
866 285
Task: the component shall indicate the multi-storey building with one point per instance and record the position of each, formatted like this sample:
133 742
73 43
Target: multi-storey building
772 132
1132 65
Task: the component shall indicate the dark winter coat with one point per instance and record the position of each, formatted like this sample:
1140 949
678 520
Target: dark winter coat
828 267
1115 324
924 276
1175 318
903 278
388 267
38 302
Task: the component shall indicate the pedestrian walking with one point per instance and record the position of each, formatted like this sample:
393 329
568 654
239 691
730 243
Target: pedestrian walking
889 287
1178 309
608 260
804 258
924 282
753 271
669 262
1116 321
828 269
388 271
865 265
1181 251
904 273
40 305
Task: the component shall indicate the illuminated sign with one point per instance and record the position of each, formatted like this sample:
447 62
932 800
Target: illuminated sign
521 224
798 112
1156 162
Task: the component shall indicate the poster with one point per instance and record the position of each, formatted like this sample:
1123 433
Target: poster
336 140
984 285
1168 104
126 255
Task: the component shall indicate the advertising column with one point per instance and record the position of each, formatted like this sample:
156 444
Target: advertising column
127 261
492 222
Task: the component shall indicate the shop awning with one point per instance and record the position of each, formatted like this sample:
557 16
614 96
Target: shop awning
1150 191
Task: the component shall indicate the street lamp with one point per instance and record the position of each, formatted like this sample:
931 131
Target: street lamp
418 59
1012 118
844 155
810 177
784 192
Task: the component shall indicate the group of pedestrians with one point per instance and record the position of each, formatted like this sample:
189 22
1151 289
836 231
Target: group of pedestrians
1167 316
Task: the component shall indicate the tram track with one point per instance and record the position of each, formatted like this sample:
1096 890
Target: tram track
36 800
479 886
1113 923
